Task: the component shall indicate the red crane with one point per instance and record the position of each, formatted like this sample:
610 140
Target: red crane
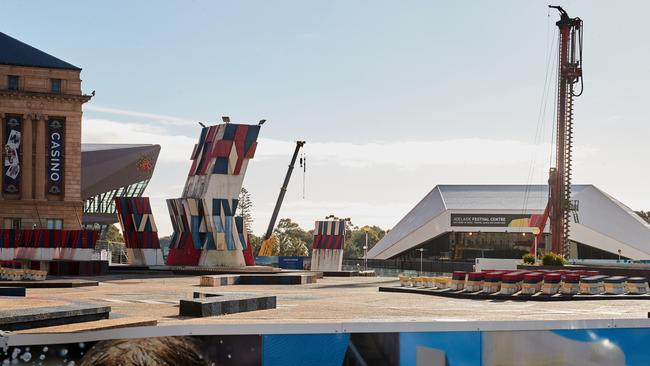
560 205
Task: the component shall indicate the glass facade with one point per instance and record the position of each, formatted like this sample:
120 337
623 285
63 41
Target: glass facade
466 246
104 203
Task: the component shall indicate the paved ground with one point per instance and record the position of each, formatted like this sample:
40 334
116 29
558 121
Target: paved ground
329 300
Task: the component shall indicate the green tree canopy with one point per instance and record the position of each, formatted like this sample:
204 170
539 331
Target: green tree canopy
291 239
113 234
357 239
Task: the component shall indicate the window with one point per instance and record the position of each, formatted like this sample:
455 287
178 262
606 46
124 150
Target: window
55 85
12 82
56 224
12 223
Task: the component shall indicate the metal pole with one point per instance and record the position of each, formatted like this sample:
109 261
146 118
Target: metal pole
365 254
421 250
535 251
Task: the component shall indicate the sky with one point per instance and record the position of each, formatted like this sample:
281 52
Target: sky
392 97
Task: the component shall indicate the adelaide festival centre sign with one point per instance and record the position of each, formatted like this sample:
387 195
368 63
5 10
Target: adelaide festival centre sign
489 220
55 155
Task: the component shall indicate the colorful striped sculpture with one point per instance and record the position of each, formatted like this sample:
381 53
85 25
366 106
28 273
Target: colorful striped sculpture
328 245
47 245
139 231
207 231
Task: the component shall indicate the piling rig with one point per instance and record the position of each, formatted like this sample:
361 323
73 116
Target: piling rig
560 207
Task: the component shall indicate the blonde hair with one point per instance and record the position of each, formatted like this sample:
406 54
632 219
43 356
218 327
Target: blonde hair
158 351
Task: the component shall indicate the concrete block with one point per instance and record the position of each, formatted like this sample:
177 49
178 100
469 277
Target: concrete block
12 291
211 304
28 318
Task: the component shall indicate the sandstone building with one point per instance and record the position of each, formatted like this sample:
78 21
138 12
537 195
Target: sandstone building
40 130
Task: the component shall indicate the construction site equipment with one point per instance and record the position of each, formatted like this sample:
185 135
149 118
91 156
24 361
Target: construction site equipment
560 206
267 243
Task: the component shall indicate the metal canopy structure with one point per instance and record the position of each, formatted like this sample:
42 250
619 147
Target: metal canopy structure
605 223
113 170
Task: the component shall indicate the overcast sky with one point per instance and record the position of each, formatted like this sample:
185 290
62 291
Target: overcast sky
392 97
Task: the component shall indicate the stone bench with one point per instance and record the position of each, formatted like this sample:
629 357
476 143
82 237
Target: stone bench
212 304
12 291
300 278
27 318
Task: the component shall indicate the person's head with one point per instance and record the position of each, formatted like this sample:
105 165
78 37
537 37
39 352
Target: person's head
158 351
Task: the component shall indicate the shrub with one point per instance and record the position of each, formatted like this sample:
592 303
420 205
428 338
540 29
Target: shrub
528 258
552 259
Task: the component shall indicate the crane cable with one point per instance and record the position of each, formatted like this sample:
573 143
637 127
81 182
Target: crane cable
541 117
303 165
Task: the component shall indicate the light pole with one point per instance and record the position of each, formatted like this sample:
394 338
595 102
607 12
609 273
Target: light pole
421 250
536 232
365 253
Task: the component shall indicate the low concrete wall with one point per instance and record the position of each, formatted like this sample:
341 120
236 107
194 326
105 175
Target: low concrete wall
606 270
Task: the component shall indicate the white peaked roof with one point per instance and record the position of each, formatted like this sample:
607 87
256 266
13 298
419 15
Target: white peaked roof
604 222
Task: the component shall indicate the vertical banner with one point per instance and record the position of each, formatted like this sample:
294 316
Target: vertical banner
11 166
55 155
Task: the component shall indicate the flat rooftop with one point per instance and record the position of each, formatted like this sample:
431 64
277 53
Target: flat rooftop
331 300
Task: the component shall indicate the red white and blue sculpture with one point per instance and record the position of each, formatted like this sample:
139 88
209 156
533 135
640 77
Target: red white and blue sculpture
139 231
207 231
329 242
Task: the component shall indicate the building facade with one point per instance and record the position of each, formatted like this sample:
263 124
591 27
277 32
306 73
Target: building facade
40 111
464 222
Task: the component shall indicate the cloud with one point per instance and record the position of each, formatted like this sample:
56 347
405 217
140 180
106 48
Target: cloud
407 154
410 154
174 148
160 118
404 154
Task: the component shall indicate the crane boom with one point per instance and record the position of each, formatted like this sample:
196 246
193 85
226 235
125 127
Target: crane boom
267 244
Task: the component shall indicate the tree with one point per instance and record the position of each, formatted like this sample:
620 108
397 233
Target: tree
354 245
244 208
113 234
644 215
255 242
291 239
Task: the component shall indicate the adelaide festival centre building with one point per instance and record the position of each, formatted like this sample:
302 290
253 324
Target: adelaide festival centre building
463 222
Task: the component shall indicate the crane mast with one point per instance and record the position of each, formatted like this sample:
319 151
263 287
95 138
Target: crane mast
267 242
560 205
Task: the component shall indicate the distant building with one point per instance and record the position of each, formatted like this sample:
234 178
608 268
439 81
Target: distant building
463 222
40 113
109 171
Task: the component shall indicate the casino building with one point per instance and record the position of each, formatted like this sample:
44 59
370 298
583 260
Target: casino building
463 222
40 109
49 179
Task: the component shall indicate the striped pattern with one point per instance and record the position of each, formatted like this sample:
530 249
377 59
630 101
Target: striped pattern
75 239
138 226
204 219
223 148
329 235
197 229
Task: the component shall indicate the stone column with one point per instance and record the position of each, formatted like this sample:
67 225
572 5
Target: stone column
26 168
2 146
39 166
